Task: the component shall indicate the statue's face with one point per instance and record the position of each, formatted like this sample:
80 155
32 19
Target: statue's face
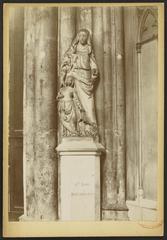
83 36
69 81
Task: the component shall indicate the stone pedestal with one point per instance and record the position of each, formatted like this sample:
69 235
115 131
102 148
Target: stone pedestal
79 179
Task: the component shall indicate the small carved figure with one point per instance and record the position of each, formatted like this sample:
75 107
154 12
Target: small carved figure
66 108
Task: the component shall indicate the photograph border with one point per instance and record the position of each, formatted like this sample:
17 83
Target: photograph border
101 228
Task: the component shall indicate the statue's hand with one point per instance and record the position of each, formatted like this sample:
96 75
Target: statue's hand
94 71
62 84
59 96
94 74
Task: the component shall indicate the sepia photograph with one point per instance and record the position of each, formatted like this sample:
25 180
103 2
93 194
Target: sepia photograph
84 103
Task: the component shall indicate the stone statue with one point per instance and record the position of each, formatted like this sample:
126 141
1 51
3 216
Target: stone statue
78 75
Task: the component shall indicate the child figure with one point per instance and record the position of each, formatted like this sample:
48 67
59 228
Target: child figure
66 108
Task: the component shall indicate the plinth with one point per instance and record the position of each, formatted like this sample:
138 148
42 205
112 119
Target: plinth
79 179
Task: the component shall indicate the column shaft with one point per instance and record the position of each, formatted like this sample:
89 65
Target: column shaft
40 167
131 31
97 32
107 169
28 110
114 125
120 105
114 206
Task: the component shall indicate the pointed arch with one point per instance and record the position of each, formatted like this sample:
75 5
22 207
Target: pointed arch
148 26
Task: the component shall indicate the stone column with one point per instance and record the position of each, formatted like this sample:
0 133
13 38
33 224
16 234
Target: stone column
139 96
40 165
97 34
121 167
107 166
131 31
114 206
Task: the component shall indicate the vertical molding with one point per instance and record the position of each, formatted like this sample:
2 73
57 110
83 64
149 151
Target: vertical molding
114 205
40 166
97 32
114 107
28 98
130 31
134 80
107 168
140 187
120 105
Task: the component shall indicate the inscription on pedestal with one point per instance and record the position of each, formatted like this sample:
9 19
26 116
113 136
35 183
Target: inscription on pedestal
79 180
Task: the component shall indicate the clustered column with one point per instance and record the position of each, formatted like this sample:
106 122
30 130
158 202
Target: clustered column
114 205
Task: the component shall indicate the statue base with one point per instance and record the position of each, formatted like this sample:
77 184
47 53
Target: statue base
79 179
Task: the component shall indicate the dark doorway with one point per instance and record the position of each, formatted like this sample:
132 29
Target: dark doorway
16 59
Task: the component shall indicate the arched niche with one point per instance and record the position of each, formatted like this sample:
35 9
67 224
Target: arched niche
147 54
148 28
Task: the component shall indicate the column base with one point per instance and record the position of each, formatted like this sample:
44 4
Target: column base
24 218
143 210
116 215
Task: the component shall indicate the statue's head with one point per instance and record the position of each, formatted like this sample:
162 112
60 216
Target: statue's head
69 81
83 36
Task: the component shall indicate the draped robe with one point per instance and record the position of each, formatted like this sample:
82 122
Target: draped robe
79 62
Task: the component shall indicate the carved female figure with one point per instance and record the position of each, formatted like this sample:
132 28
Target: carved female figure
79 63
